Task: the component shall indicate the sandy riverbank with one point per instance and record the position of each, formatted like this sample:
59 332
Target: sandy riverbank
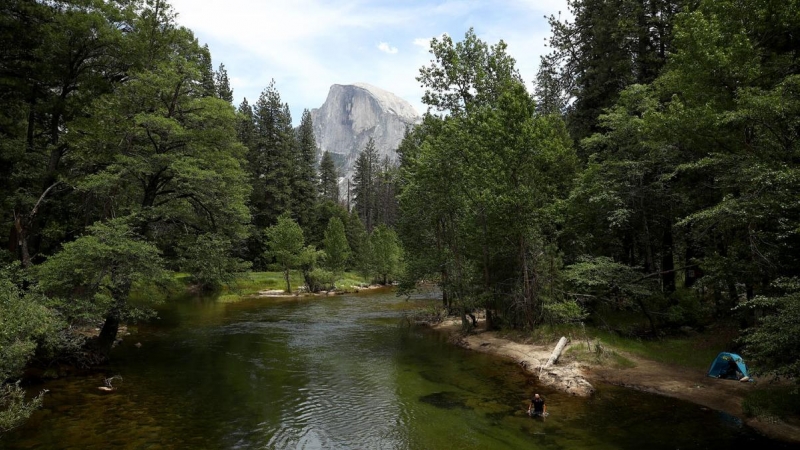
578 378
351 290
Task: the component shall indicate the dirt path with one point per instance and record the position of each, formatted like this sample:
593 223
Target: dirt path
649 376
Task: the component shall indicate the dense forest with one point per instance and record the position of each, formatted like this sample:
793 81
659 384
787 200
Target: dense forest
652 169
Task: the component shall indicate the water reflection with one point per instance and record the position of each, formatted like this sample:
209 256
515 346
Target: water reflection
338 372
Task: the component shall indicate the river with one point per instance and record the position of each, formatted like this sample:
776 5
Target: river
344 372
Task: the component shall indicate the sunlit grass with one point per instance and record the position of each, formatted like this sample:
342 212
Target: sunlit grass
251 283
350 281
694 352
597 353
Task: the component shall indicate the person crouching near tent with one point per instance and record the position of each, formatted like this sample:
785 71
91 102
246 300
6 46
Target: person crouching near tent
537 408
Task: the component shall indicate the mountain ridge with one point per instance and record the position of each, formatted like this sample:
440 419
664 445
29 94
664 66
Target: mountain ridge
351 114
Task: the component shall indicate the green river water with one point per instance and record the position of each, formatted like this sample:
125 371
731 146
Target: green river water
343 372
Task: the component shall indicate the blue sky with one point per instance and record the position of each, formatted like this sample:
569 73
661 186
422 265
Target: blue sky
308 45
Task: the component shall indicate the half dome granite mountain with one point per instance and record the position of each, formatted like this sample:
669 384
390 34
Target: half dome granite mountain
355 112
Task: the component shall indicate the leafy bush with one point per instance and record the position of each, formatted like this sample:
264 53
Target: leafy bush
773 346
320 280
24 323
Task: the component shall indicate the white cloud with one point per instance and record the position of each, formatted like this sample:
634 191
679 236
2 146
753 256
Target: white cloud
386 48
308 45
422 42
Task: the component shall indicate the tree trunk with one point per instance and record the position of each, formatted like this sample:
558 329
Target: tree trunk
20 242
690 274
286 277
647 314
312 286
108 334
22 226
490 325
556 352
468 324
667 261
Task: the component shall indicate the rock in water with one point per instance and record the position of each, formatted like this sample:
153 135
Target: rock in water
355 112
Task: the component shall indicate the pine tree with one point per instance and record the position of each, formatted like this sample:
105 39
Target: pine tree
386 206
337 250
245 127
223 85
304 176
328 179
364 185
207 86
271 158
358 240
607 47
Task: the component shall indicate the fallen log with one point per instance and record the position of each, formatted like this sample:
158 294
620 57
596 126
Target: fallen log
556 352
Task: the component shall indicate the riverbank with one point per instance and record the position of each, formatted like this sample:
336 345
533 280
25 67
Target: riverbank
339 291
579 376
272 284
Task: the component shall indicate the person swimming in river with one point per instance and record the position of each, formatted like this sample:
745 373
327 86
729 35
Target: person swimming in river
537 408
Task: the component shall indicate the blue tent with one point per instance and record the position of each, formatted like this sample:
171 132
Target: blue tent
728 365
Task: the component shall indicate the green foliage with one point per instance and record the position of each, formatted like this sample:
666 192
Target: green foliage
465 73
481 187
696 168
285 245
387 254
91 277
605 279
364 186
58 60
320 279
562 311
325 211
14 409
309 259
604 47
328 179
337 250
209 261
304 175
222 84
271 158
24 323
358 240
773 346
689 309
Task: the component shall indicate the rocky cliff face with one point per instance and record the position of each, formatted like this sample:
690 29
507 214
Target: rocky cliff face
352 114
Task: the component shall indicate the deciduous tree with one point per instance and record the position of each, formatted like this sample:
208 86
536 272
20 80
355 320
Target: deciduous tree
285 245
337 250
